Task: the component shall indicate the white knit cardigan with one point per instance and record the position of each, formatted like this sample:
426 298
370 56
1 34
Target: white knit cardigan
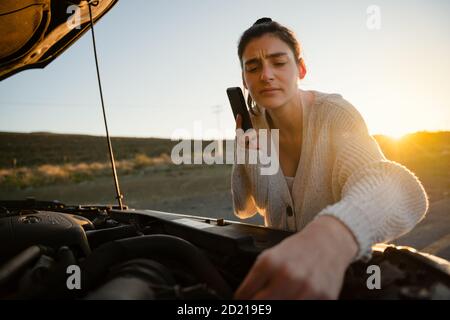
341 172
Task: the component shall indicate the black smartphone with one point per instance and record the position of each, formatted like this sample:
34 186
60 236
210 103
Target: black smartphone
238 106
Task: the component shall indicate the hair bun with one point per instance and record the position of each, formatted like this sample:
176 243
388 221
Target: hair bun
263 20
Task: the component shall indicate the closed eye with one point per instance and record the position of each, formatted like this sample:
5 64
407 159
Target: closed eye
252 69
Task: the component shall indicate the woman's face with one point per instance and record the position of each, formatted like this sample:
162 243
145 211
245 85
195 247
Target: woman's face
270 72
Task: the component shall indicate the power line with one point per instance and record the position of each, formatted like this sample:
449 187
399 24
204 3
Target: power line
65 104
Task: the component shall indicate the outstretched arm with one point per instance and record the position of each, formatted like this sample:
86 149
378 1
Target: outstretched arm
376 200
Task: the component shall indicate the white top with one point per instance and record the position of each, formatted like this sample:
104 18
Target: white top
290 183
342 172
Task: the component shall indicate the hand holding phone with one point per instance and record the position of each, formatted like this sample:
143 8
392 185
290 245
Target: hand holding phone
239 107
242 117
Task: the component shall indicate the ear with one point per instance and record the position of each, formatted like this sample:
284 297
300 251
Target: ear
301 69
243 80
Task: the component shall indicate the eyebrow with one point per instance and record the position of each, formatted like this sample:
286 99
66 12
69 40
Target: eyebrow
272 55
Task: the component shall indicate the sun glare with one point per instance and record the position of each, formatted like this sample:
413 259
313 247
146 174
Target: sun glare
396 136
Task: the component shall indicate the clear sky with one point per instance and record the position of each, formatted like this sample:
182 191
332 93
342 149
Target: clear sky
165 65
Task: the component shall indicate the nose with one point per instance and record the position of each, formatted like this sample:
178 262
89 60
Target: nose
266 73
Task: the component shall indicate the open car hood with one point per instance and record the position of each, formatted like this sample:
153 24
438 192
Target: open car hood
35 32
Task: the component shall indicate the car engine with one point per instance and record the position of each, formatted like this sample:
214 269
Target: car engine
153 255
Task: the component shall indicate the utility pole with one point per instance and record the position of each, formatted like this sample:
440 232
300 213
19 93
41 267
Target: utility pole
217 109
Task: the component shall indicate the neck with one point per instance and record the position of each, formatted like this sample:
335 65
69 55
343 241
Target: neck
288 118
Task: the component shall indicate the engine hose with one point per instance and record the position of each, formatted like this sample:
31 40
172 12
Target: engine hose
97 265
137 279
19 262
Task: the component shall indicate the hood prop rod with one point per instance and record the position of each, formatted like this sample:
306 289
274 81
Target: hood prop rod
119 196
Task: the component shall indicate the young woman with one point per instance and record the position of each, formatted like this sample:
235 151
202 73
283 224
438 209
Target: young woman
334 185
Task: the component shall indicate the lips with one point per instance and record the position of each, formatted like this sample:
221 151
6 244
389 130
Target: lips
269 90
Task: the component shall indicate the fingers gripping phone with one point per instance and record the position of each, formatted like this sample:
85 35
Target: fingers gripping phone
238 106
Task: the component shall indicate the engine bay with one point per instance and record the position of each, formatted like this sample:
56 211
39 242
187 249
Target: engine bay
153 255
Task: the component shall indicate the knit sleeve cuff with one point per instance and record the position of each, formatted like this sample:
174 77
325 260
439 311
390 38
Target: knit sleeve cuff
357 222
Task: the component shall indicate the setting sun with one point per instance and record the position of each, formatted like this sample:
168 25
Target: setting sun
395 134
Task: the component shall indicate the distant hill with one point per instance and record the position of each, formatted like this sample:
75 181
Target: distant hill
426 153
33 149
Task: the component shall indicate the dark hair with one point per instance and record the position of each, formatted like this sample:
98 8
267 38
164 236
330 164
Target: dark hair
261 27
